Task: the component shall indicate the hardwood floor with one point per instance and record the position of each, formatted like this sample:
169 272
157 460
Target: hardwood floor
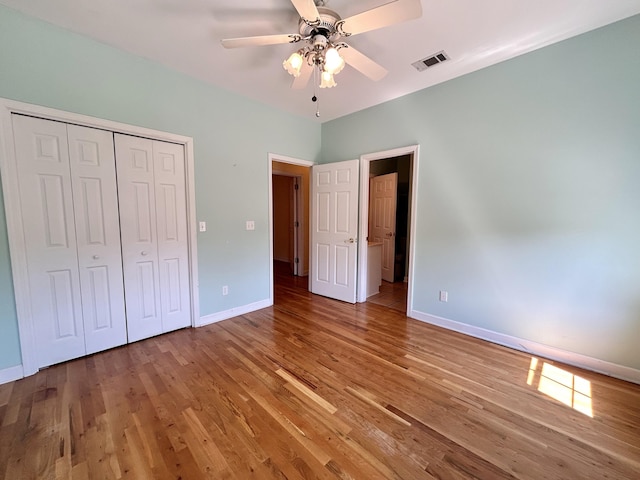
314 388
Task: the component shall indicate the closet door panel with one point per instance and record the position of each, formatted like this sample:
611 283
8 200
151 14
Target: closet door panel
171 207
93 176
49 231
136 197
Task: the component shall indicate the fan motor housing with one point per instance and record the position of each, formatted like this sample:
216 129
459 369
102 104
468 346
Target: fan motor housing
326 26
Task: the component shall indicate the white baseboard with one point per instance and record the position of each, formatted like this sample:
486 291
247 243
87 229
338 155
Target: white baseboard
576 359
233 312
10 374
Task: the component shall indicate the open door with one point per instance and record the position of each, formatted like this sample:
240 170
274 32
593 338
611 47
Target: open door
382 220
334 230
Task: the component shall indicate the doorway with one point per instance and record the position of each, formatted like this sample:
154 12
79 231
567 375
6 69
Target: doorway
395 291
389 188
289 220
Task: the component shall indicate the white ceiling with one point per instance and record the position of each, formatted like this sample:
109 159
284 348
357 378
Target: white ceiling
185 35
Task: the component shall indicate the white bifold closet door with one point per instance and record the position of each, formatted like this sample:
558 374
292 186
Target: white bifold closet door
152 197
68 195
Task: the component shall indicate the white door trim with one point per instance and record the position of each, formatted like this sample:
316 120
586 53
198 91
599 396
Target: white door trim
8 172
414 151
274 157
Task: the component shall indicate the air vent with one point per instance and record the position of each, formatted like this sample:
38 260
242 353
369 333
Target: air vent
432 61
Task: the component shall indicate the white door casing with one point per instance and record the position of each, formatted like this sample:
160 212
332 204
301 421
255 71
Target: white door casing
334 229
294 161
365 160
46 197
95 201
173 254
382 219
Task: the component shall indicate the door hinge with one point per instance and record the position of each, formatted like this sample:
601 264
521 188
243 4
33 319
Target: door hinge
296 186
296 260
296 224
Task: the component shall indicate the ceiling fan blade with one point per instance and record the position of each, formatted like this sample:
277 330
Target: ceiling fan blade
307 9
259 40
389 14
303 79
363 64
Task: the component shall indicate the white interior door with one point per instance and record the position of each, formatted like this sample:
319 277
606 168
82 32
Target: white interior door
382 219
136 196
46 199
95 200
173 256
334 229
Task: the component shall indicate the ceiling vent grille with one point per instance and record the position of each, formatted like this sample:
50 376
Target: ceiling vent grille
432 61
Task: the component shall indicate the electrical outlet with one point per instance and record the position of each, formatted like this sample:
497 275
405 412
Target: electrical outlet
444 296
203 226
225 290
251 225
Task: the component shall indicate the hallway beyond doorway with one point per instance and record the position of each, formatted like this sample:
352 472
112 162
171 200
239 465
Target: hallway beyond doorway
392 295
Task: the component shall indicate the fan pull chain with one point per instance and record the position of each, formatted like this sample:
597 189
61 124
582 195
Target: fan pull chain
314 99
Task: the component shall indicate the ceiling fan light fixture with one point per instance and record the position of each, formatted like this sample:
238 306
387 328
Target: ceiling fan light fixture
333 62
293 64
327 80
319 32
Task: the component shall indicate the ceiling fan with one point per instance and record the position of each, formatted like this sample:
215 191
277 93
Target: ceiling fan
320 31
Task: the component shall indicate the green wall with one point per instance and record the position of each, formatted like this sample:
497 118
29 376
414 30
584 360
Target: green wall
528 209
528 198
46 65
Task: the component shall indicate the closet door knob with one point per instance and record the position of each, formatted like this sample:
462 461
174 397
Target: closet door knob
96 257
143 253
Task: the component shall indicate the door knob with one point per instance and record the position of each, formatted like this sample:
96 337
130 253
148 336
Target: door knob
351 240
96 257
389 234
143 252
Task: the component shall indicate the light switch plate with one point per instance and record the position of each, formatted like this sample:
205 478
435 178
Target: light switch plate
203 226
251 225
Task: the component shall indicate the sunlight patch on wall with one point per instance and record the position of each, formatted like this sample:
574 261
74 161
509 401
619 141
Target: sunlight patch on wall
561 385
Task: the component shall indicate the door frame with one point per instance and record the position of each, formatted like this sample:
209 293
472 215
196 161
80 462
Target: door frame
365 160
12 206
274 157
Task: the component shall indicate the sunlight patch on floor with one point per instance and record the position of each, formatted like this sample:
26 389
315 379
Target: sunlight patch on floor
563 386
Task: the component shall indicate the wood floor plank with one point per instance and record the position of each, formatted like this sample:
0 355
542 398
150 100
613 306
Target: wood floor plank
312 388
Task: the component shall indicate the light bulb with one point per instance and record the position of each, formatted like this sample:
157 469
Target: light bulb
293 64
327 80
333 62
